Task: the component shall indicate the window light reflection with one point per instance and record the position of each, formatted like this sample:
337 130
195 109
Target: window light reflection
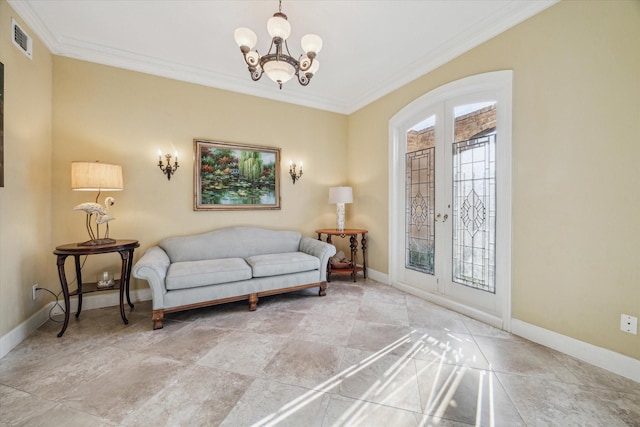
440 398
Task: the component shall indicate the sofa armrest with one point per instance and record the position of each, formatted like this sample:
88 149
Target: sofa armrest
153 267
319 249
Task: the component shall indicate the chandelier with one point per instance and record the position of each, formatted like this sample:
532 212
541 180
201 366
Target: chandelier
280 66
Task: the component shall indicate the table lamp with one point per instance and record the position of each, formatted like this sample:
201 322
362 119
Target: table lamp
96 176
340 196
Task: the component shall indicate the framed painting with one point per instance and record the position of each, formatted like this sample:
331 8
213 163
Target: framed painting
230 176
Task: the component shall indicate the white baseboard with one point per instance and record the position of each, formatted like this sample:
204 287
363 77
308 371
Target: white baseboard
606 359
617 363
95 300
601 357
452 305
377 276
23 330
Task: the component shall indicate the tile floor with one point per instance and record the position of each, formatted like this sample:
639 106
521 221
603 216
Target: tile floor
364 355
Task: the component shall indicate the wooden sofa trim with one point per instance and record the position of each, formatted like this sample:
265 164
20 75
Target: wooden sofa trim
157 316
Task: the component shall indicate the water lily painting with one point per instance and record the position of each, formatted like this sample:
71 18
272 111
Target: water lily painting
229 176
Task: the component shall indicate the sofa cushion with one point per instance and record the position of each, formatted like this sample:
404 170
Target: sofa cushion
191 274
233 242
276 264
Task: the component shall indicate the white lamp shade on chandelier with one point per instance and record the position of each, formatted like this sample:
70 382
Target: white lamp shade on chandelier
311 43
245 37
279 71
280 66
340 196
278 26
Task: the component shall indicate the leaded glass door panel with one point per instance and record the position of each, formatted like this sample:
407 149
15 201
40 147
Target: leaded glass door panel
473 213
420 197
420 235
471 157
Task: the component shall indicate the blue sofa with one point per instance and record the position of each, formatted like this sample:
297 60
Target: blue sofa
230 264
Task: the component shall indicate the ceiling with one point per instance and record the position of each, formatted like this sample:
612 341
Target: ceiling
371 47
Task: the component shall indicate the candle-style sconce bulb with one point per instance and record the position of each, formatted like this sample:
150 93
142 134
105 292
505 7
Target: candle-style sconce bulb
168 169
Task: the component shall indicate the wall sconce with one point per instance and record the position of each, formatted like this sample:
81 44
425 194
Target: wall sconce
292 171
168 169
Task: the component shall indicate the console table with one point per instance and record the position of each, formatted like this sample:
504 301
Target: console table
124 247
353 243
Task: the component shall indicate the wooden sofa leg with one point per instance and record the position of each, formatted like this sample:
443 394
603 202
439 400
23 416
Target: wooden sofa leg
323 289
253 302
158 319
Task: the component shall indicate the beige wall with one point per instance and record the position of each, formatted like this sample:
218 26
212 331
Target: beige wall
576 182
576 236
124 117
25 200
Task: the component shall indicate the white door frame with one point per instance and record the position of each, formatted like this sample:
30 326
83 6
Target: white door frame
499 82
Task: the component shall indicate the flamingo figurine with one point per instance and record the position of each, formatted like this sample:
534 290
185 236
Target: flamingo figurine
102 217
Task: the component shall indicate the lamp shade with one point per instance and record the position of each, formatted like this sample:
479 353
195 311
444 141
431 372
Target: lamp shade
245 37
96 176
277 26
314 67
340 195
311 43
279 71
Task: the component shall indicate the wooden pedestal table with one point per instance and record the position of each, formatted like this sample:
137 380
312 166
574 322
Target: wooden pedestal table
124 247
353 244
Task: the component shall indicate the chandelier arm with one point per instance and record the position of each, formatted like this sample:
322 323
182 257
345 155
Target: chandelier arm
305 62
286 46
251 61
256 74
304 78
255 70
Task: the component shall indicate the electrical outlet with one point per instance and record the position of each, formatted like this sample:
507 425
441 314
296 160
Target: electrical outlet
34 292
629 324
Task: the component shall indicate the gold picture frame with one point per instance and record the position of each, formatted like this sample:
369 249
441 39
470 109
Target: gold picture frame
231 176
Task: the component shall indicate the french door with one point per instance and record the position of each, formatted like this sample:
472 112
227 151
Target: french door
450 196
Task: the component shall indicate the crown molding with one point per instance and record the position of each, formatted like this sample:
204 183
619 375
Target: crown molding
510 15
91 52
85 51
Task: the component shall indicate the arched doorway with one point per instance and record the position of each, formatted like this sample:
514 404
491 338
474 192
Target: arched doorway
450 197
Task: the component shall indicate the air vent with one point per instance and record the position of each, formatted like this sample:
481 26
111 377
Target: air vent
21 39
